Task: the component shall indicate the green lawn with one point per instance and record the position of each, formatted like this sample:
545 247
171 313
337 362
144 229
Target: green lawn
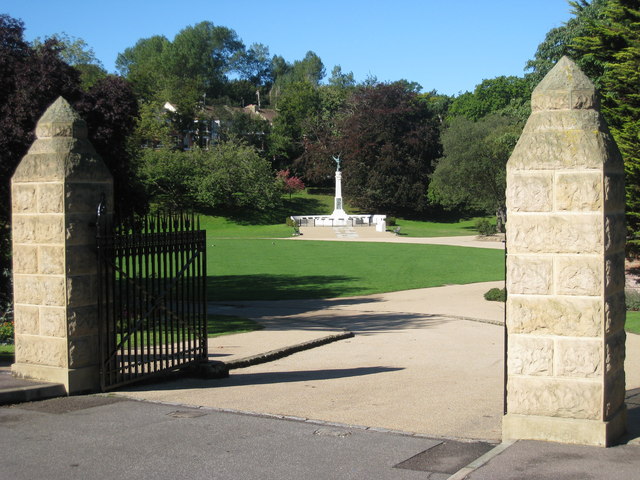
413 228
633 322
254 269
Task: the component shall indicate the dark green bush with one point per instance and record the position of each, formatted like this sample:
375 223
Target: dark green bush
485 227
391 221
632 299
496 295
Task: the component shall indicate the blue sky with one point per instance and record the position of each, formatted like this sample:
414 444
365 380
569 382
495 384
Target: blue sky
442 45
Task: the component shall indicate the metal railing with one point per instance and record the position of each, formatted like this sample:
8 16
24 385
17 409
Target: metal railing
152 296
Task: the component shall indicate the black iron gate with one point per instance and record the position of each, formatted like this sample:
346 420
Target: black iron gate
152 296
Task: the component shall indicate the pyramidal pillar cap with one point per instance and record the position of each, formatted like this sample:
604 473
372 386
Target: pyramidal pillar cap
61 120
565 87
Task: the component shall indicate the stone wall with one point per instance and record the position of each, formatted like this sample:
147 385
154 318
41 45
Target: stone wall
55 192
565 270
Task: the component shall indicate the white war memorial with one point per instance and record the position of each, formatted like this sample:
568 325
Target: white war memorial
340 218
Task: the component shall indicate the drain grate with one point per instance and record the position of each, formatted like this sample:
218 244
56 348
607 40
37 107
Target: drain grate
446 457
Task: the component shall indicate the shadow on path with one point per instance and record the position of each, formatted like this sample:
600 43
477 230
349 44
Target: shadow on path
265 378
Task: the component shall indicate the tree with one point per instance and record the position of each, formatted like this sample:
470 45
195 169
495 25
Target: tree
298 101
110 109
230 176
388 141
289 183
560 42
75 52
613 42
143 66
494 95
472 173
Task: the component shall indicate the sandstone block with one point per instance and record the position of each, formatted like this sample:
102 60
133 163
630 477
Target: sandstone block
530 192
84 197
40 167
579 192
540 315
25 259
82 290
26 319
39 290
82 321
614 233
84 351
613 186
614 313
614 273
49 229
24 200
530 355
529 274
41 350
578 357
81 260
552 397
80 229
23 229
555 233
557 150
579 275
53 321
615 352
615 390
51 259
50 198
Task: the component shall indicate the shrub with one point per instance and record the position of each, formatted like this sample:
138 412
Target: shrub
6 326
632 299
391 221
496 295
485 227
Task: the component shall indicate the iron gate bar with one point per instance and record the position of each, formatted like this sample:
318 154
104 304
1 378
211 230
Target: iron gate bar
152 296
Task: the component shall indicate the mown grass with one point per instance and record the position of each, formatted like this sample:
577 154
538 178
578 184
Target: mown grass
217 325
414 228
254 269
632 324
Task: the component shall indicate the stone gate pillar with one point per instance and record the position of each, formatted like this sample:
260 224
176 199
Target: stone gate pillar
565 270
55 191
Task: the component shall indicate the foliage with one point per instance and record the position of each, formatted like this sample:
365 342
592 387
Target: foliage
496 295
288 183
6 332
153 127
111 111
299 101
75 52
181 71
560 42
632 299
485 227
494 95
613 43
472 172
387 140
231 175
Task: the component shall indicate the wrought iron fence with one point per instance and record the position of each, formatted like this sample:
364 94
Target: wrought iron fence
152 295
